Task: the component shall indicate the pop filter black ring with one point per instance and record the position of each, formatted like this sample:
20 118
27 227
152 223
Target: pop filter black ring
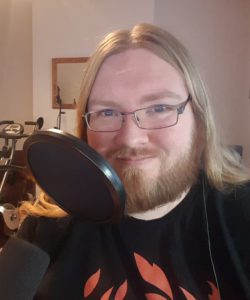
58 153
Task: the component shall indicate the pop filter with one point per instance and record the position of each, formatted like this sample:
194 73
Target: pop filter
75 176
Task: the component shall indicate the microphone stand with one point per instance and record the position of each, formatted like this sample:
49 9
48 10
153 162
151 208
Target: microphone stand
60 113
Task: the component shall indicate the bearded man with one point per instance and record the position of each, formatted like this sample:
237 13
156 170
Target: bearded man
143 107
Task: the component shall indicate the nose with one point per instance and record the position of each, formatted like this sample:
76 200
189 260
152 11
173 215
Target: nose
130 134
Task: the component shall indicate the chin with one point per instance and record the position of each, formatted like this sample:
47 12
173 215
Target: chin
149 173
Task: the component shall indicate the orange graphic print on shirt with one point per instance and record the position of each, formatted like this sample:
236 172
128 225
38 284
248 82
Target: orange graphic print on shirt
150 273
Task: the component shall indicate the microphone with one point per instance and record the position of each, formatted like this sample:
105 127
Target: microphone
22 266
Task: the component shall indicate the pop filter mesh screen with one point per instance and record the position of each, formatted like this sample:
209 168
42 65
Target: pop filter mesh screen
72 180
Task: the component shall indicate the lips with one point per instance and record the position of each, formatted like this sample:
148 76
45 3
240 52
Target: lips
132 156
133 159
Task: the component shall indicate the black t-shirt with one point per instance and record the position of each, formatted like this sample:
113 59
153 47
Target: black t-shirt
165 258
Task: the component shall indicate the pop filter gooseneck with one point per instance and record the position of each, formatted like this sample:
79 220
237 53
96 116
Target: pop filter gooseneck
75 176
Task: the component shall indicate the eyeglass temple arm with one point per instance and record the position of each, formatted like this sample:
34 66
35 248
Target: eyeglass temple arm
181 108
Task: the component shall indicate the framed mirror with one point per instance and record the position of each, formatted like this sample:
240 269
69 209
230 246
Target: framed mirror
67 76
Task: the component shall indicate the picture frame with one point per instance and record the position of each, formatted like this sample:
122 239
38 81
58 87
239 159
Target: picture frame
67 74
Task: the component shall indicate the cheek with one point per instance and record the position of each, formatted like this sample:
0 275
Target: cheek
167 138
175 140
100 141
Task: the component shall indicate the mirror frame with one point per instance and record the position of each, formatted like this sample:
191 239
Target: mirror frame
55 62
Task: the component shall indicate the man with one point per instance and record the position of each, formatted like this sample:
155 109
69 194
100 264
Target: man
184 235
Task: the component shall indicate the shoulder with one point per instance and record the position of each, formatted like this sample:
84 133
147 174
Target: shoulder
239 193
231 206
243 192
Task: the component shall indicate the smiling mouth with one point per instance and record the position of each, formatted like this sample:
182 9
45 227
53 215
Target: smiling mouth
134 159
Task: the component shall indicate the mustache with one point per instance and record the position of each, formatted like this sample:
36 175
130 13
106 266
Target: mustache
129 151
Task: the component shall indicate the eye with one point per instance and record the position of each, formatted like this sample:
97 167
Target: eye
159 108
107 113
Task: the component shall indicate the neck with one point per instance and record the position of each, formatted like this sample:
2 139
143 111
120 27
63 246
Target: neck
159 211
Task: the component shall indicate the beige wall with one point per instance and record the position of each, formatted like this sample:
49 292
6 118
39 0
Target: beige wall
247 119
217 33
16 60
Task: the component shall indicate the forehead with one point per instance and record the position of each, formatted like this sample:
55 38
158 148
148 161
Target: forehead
135 73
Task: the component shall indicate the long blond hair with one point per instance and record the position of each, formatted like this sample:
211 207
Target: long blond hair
221 166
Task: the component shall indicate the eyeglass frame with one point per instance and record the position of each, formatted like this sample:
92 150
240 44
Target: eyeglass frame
180 108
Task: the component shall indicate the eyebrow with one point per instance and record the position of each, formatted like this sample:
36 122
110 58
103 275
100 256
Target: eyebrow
160 95
145 98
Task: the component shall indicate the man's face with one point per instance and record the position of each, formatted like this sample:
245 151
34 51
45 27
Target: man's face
155 165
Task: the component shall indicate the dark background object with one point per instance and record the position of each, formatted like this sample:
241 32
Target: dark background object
238 149
19 186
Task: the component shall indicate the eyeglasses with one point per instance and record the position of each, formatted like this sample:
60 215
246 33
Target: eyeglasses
152 117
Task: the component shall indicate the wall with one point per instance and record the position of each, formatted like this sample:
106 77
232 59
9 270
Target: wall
66 28
217 35
16 60
247 119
